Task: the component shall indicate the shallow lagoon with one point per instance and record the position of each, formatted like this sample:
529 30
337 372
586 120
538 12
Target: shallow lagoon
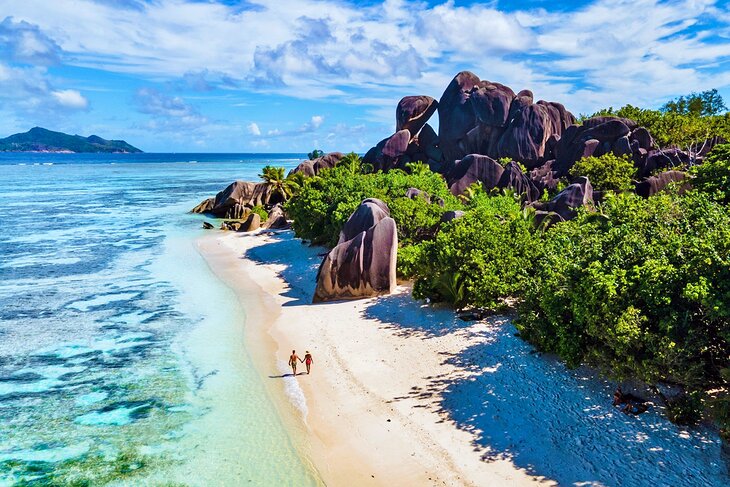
104 377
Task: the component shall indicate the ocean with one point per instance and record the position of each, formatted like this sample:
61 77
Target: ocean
121 357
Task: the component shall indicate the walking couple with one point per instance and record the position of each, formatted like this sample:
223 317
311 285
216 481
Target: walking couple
294 358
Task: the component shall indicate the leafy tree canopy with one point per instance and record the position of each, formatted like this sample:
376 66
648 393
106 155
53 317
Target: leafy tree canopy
703 104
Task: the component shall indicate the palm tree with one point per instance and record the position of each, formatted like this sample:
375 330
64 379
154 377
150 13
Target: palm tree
452 288
277 182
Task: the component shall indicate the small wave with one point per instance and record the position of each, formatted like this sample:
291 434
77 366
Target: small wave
47 163
192 162
293 391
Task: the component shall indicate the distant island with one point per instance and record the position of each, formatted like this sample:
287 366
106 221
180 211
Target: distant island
39 139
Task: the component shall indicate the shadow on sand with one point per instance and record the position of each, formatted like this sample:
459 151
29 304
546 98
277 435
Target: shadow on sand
523 406
283 376
560 424
300 273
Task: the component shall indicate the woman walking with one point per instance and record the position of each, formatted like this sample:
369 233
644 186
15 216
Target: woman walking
308 361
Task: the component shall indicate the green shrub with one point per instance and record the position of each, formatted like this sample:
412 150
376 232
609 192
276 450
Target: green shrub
685 129
713 175
642 292
324 202
261 211
479 259
686 410
607 172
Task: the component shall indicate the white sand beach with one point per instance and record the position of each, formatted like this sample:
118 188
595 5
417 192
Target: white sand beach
407 394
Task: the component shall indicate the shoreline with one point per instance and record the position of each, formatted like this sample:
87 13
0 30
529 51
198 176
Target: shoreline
407 394
362 423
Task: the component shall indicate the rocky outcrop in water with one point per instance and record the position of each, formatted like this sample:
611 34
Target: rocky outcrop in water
364 264
236 200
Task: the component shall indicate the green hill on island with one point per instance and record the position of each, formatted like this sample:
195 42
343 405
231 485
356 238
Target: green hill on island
39 139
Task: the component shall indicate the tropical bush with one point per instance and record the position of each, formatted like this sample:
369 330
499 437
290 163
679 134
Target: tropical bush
642 290
325 202
608 172
261 211
479 259
713 175
687 122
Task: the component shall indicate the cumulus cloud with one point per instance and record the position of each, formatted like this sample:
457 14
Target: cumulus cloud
25 43
253 129
314 123
70 99
639 51
168 112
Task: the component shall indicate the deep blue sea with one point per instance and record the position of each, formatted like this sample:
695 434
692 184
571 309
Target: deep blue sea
101 290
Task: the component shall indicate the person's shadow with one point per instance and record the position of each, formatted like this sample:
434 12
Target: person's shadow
285 375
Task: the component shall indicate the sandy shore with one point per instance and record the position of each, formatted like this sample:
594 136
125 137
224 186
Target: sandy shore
405 394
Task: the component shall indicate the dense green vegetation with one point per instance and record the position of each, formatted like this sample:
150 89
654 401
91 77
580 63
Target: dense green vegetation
607 172
325 202
40 139
713 175
480 259
641 290
637 287
686 122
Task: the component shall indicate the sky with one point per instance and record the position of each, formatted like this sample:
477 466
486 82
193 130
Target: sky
293 75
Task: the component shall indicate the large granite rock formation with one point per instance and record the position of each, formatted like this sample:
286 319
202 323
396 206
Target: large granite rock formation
277 219
390 153
654 184
365 264
312 167
367 214
596 137
530 136
513 178
565 203
413 112
477 116
471 169
235 200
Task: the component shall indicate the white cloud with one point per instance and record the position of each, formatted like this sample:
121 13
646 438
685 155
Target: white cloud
253 129
70 99
25 43
168 112
605 52
316 121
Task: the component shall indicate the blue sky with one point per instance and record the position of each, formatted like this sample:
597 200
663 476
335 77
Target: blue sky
291 75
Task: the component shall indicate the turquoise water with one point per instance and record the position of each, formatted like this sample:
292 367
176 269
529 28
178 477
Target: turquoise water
120 353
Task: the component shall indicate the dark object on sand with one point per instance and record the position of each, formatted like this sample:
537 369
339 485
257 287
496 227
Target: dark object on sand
631 404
